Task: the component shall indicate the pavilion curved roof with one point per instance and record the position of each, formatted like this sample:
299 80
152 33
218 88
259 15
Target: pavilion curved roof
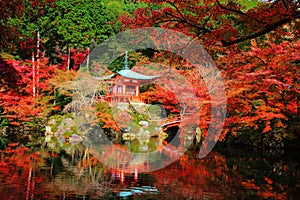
127 73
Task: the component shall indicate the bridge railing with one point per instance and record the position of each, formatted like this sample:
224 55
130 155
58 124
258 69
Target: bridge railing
172 119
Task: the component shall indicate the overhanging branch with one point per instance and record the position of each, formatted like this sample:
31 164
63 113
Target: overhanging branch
264 31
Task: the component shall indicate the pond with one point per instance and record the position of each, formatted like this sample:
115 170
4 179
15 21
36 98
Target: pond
61 170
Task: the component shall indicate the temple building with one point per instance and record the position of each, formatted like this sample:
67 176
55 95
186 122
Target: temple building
124 86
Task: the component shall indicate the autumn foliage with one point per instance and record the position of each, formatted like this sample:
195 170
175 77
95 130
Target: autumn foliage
17 99
28 87
256 46
263 87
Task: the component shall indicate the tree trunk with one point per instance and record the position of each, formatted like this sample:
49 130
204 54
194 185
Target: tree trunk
69 55
88 59
37 59
33 75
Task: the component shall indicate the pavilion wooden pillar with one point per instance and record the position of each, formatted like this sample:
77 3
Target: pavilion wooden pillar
124 89
137 90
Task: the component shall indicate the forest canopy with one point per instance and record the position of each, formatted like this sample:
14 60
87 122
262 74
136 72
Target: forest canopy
255 44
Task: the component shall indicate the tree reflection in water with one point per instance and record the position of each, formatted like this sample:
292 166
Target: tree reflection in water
71 172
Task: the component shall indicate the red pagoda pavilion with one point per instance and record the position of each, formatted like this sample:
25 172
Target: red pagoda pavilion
124 86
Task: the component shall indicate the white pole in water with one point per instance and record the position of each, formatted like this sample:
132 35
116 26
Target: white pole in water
135 174
28 183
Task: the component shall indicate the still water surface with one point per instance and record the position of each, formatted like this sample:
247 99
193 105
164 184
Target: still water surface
69 171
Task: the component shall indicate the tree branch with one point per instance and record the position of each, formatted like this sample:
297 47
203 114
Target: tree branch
237 12
184 20
230 9
267 29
